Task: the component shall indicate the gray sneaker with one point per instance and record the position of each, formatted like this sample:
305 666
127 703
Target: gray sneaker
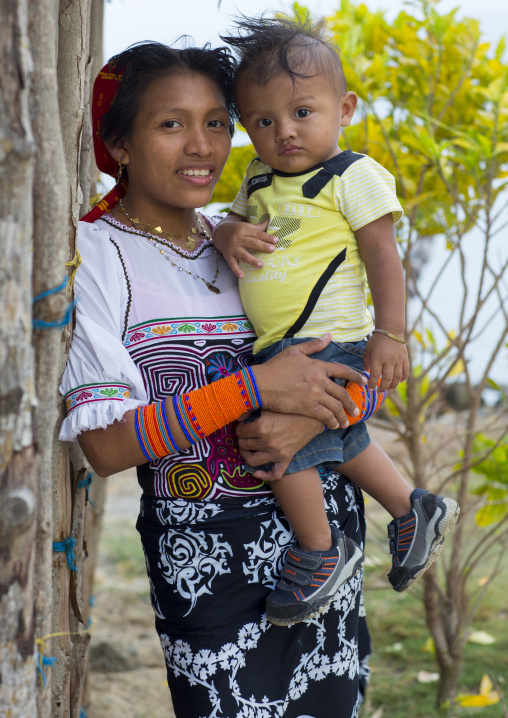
417 539
311 578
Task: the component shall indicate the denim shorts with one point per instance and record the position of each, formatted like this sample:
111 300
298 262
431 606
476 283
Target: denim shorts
334 446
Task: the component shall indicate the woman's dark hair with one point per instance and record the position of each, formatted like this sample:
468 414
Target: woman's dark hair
147 61
268 47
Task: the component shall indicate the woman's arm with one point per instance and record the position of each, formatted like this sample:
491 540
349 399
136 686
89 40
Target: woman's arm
290 383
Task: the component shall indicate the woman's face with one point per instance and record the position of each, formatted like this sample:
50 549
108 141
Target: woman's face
179 143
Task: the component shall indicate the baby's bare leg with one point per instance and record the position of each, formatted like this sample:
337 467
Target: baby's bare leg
375 473
301 498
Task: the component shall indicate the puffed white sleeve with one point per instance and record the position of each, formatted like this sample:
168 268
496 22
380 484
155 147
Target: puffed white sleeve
100 382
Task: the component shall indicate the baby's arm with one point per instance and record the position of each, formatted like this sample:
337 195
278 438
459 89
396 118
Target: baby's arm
383 355
236 239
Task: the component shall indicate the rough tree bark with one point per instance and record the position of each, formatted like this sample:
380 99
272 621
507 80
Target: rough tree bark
49 246
89 173
96 55
93 512
73 80
18 459
45 65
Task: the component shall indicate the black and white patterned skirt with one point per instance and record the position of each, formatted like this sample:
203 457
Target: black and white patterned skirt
211 566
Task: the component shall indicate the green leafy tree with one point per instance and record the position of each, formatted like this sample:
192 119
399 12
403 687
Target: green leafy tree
434 111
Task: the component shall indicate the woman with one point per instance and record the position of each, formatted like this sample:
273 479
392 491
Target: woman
158 317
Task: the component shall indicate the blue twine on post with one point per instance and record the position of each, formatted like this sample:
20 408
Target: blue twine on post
67 317
48 292
91 603
82 713
44 661
67 546
85 484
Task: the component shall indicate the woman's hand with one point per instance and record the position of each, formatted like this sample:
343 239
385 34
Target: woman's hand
275 438
293 383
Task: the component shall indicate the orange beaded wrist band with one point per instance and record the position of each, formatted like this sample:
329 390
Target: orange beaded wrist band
204 411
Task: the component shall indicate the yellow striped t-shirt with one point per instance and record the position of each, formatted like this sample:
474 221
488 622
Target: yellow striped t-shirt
315 281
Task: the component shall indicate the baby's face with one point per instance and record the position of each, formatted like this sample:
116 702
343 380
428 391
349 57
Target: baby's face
294 127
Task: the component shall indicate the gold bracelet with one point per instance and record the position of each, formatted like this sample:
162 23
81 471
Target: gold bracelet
392 336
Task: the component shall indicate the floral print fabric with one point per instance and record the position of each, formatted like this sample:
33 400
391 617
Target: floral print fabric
211 566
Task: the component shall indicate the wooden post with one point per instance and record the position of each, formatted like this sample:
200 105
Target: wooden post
45 65
18 458
50 254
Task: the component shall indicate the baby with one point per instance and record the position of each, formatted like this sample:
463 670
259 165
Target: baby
332 213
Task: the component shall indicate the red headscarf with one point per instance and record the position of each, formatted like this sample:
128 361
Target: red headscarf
104 92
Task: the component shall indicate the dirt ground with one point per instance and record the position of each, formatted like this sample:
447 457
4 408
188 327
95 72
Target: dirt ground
127 677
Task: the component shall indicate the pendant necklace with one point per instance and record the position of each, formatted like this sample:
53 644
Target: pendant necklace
148 229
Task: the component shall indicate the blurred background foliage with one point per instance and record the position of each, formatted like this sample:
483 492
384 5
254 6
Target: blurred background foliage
432 96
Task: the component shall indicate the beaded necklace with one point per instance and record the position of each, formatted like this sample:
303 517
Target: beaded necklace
162 234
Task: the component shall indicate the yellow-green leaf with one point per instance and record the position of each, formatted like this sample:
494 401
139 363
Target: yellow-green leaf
490 514
458 368
429 646
478 701
485 697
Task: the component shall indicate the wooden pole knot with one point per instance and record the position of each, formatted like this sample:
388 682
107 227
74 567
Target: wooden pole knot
17 511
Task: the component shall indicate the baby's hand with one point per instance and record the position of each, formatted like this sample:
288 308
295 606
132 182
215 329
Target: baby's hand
237 239
387 358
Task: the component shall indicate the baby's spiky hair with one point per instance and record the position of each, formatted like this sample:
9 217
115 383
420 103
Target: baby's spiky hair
269 47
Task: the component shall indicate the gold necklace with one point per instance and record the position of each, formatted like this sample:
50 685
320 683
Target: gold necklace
210 285
162 234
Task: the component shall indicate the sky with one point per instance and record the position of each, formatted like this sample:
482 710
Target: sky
129 21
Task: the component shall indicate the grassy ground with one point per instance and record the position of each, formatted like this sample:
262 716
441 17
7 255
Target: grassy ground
401 650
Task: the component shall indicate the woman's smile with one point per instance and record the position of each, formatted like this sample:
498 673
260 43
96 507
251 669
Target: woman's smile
198 176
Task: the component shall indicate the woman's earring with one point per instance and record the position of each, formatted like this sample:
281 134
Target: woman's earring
119 174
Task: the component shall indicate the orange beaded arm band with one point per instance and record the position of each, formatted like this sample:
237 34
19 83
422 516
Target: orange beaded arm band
205 410
199 413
